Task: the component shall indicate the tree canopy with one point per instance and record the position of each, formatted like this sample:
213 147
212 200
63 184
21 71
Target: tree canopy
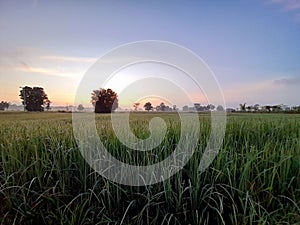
148 106
4 105
34 98
104 100
136 105
80 107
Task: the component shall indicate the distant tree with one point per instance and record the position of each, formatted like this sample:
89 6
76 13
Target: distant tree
256 107
136 105
210 107
220 108
296 109
80 107
48 102
276 108
268 107
230 110
243 107
148 106
4 105
105 100
161 107
34 98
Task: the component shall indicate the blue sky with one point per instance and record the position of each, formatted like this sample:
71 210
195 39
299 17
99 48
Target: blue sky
253 47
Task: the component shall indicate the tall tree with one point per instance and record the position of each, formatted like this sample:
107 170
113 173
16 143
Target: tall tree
105 100
4 105
148 106
34 98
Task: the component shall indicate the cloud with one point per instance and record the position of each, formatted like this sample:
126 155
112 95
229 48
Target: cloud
288 5
51 71
291 6
274 91
287 81
60 58
47 71
37 61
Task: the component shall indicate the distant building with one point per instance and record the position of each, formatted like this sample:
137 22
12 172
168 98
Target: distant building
192 109
197 106
230 110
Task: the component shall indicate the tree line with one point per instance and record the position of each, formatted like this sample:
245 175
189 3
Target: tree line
106 101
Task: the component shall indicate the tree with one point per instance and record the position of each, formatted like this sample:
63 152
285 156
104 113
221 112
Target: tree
80 107
243 107
148 106
256 107
210 107
276 108
105 100
34 98
4 105
161 107
48 104
296 109
220 108
136 105
268 107
95 95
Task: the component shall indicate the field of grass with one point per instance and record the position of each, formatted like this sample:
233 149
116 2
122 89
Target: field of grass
255 179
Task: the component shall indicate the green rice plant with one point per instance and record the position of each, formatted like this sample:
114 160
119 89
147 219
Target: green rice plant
255 178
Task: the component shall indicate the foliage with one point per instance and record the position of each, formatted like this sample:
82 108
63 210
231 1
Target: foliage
34 98
48 102
220 108
136 105
148 106
4 105
210 107
161 107
80 107
243 107
105 100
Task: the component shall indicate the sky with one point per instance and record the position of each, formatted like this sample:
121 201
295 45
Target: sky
252 47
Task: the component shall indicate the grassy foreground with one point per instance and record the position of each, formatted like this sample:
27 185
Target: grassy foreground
255 179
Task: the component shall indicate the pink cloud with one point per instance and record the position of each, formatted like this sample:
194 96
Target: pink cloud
289 5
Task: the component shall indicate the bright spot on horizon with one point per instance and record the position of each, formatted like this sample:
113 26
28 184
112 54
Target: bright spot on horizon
162 82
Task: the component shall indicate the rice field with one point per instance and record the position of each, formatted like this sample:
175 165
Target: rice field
255 178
